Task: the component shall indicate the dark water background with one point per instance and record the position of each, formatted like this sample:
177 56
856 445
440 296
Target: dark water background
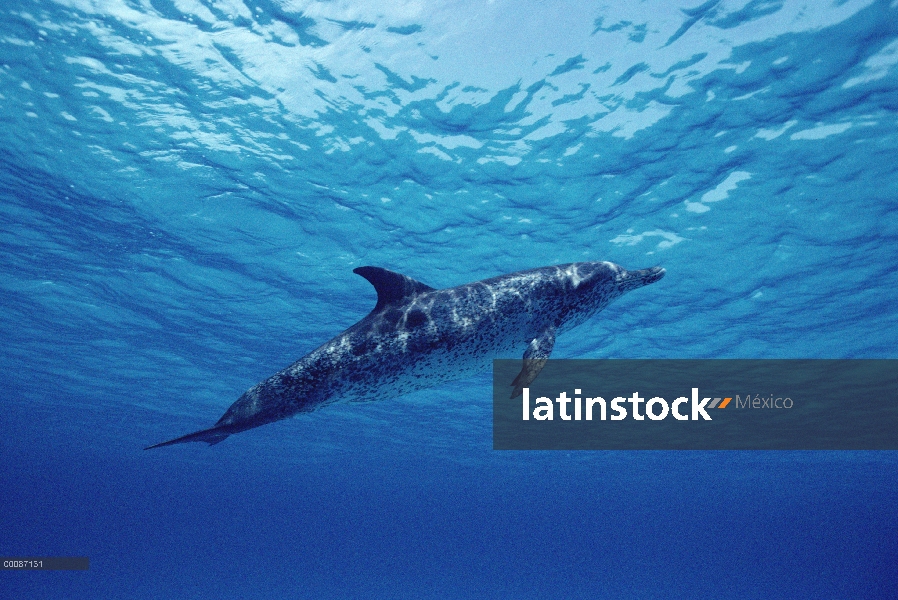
186 185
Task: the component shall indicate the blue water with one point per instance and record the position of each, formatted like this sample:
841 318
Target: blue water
186 186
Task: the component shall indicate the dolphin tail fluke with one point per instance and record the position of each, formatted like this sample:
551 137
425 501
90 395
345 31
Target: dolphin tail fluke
211 436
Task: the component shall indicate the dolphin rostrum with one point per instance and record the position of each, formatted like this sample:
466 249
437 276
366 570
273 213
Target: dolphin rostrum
418 337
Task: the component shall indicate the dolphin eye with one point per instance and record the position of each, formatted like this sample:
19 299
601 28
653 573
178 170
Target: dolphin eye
415 318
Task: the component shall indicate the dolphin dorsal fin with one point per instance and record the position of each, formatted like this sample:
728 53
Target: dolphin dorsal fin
391 287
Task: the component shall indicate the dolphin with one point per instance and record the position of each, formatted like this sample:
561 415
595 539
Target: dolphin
419 337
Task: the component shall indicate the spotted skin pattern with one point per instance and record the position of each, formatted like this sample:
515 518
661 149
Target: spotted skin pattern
418 337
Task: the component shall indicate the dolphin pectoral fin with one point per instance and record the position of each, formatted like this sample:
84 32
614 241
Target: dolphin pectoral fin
528 373
535 358
211 436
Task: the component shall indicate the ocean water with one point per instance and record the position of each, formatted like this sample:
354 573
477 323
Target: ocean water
186 186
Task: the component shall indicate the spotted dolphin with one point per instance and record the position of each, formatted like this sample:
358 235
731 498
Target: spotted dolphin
419 337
